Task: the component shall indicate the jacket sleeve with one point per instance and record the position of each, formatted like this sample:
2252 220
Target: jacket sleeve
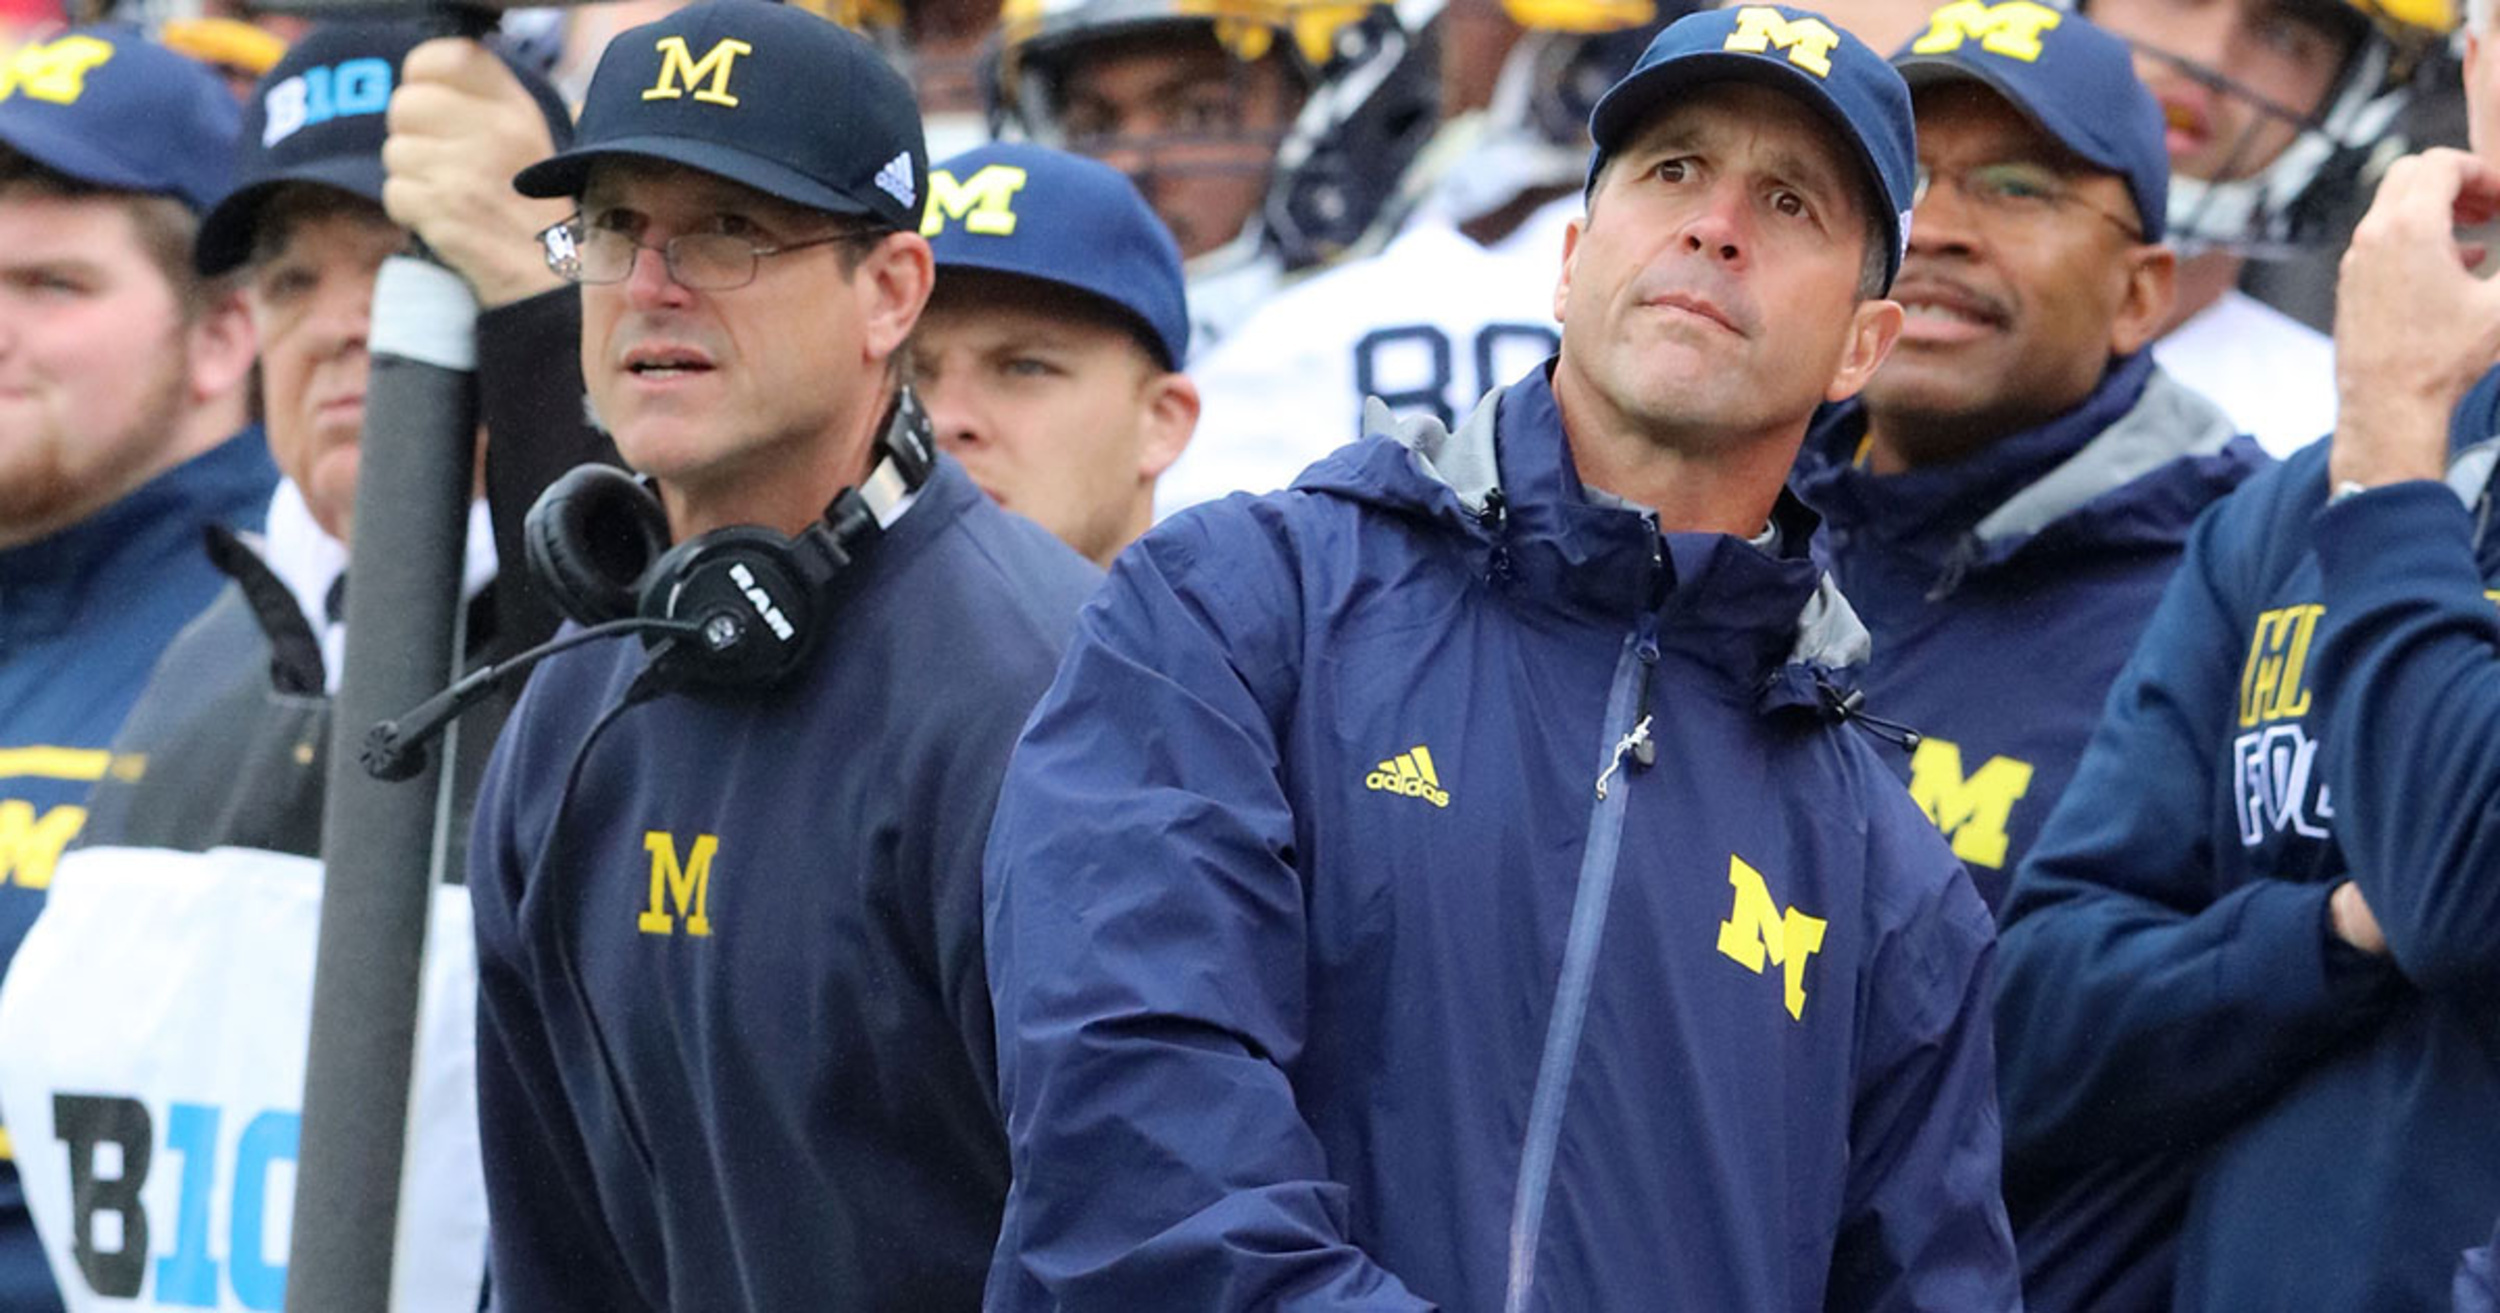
529 385
1924 1223
2140 1007
1146 945
2408 675
546 1246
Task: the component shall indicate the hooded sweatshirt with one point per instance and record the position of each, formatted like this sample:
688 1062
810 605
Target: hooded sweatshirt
1432 886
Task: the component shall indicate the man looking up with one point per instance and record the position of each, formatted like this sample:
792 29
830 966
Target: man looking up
734 1049
1453 881
1051 351
2007 498
123 383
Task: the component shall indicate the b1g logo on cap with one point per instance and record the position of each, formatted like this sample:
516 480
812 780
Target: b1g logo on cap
1808 42
984 204
318 95
2011 29
56 72
679 69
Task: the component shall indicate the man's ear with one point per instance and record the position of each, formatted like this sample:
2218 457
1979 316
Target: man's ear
1873 327
893 283
1168 416
1571 248
2152 288
224 348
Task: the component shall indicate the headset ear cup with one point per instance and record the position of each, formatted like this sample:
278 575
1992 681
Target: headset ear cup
750 576
591 537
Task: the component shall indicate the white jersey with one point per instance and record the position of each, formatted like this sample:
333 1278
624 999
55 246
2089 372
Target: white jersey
2272 374
1429 325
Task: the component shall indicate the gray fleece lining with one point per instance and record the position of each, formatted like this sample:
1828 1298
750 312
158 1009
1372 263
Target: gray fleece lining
2169 421
1829 633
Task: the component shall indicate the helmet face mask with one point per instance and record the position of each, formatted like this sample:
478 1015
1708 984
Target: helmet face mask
2262 177
1329 102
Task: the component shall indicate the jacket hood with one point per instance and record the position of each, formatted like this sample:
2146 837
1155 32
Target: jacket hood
2131 466
1502 486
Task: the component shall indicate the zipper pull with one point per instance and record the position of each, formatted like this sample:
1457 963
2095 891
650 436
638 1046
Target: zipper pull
1490 519
1645 751
1631 743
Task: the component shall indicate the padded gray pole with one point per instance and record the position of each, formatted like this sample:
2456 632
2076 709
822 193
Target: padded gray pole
378 839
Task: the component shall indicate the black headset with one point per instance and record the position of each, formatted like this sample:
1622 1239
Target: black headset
598 542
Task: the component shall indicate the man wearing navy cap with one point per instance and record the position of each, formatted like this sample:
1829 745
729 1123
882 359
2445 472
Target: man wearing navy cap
123 414
2005 502
1050 355
734 1048
1461 880
2259 928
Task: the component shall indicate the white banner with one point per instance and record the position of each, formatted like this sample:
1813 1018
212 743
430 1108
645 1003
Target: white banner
152 1036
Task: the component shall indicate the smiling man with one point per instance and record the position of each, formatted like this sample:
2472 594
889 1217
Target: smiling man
2008 497
1051 351
1454 882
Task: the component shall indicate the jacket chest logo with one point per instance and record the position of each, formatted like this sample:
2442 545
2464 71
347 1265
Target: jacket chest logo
2275 784
1409 774
1759 933
679 890
1972 808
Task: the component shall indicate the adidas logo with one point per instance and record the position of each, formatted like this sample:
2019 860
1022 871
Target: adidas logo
895 179
1410 774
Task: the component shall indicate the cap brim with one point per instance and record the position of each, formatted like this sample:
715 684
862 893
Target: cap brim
73 157
225 240
564 174
1166 352
1620 111
1935 70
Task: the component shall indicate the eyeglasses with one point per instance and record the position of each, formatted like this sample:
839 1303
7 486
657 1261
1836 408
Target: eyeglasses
2017 189
701 262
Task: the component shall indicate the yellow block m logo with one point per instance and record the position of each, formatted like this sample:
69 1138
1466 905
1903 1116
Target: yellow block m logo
1757 932
684 887
56 72
679 69
2011 29
1972 809
985 203
1808 41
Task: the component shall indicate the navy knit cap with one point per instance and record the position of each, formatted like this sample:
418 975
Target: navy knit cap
2071 78
318 117
766 95
1789 50
105 106
1015 208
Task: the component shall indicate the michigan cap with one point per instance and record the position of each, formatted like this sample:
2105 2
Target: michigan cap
319 117
2073 79
105 106
763 94
1044 214
1790 50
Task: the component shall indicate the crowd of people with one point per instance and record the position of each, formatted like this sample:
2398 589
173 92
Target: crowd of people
1243 654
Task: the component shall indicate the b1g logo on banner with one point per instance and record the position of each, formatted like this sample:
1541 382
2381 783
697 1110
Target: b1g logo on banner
220 1188
152 1037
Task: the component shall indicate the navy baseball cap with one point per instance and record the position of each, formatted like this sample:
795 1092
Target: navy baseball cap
1789 50
107 107
2072 79
1016 208
763 94
318 117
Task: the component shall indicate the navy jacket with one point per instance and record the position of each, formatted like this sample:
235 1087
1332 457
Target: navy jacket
2005 590
733 1042
83 615
2173 1003
1426 886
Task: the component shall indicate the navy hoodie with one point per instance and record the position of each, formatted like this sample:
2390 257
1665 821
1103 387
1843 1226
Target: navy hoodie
2313 703
1431 886
2004 590
733 1041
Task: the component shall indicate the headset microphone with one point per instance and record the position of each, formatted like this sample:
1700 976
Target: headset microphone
395 749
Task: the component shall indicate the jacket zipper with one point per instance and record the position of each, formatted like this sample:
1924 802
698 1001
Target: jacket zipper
1627 702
